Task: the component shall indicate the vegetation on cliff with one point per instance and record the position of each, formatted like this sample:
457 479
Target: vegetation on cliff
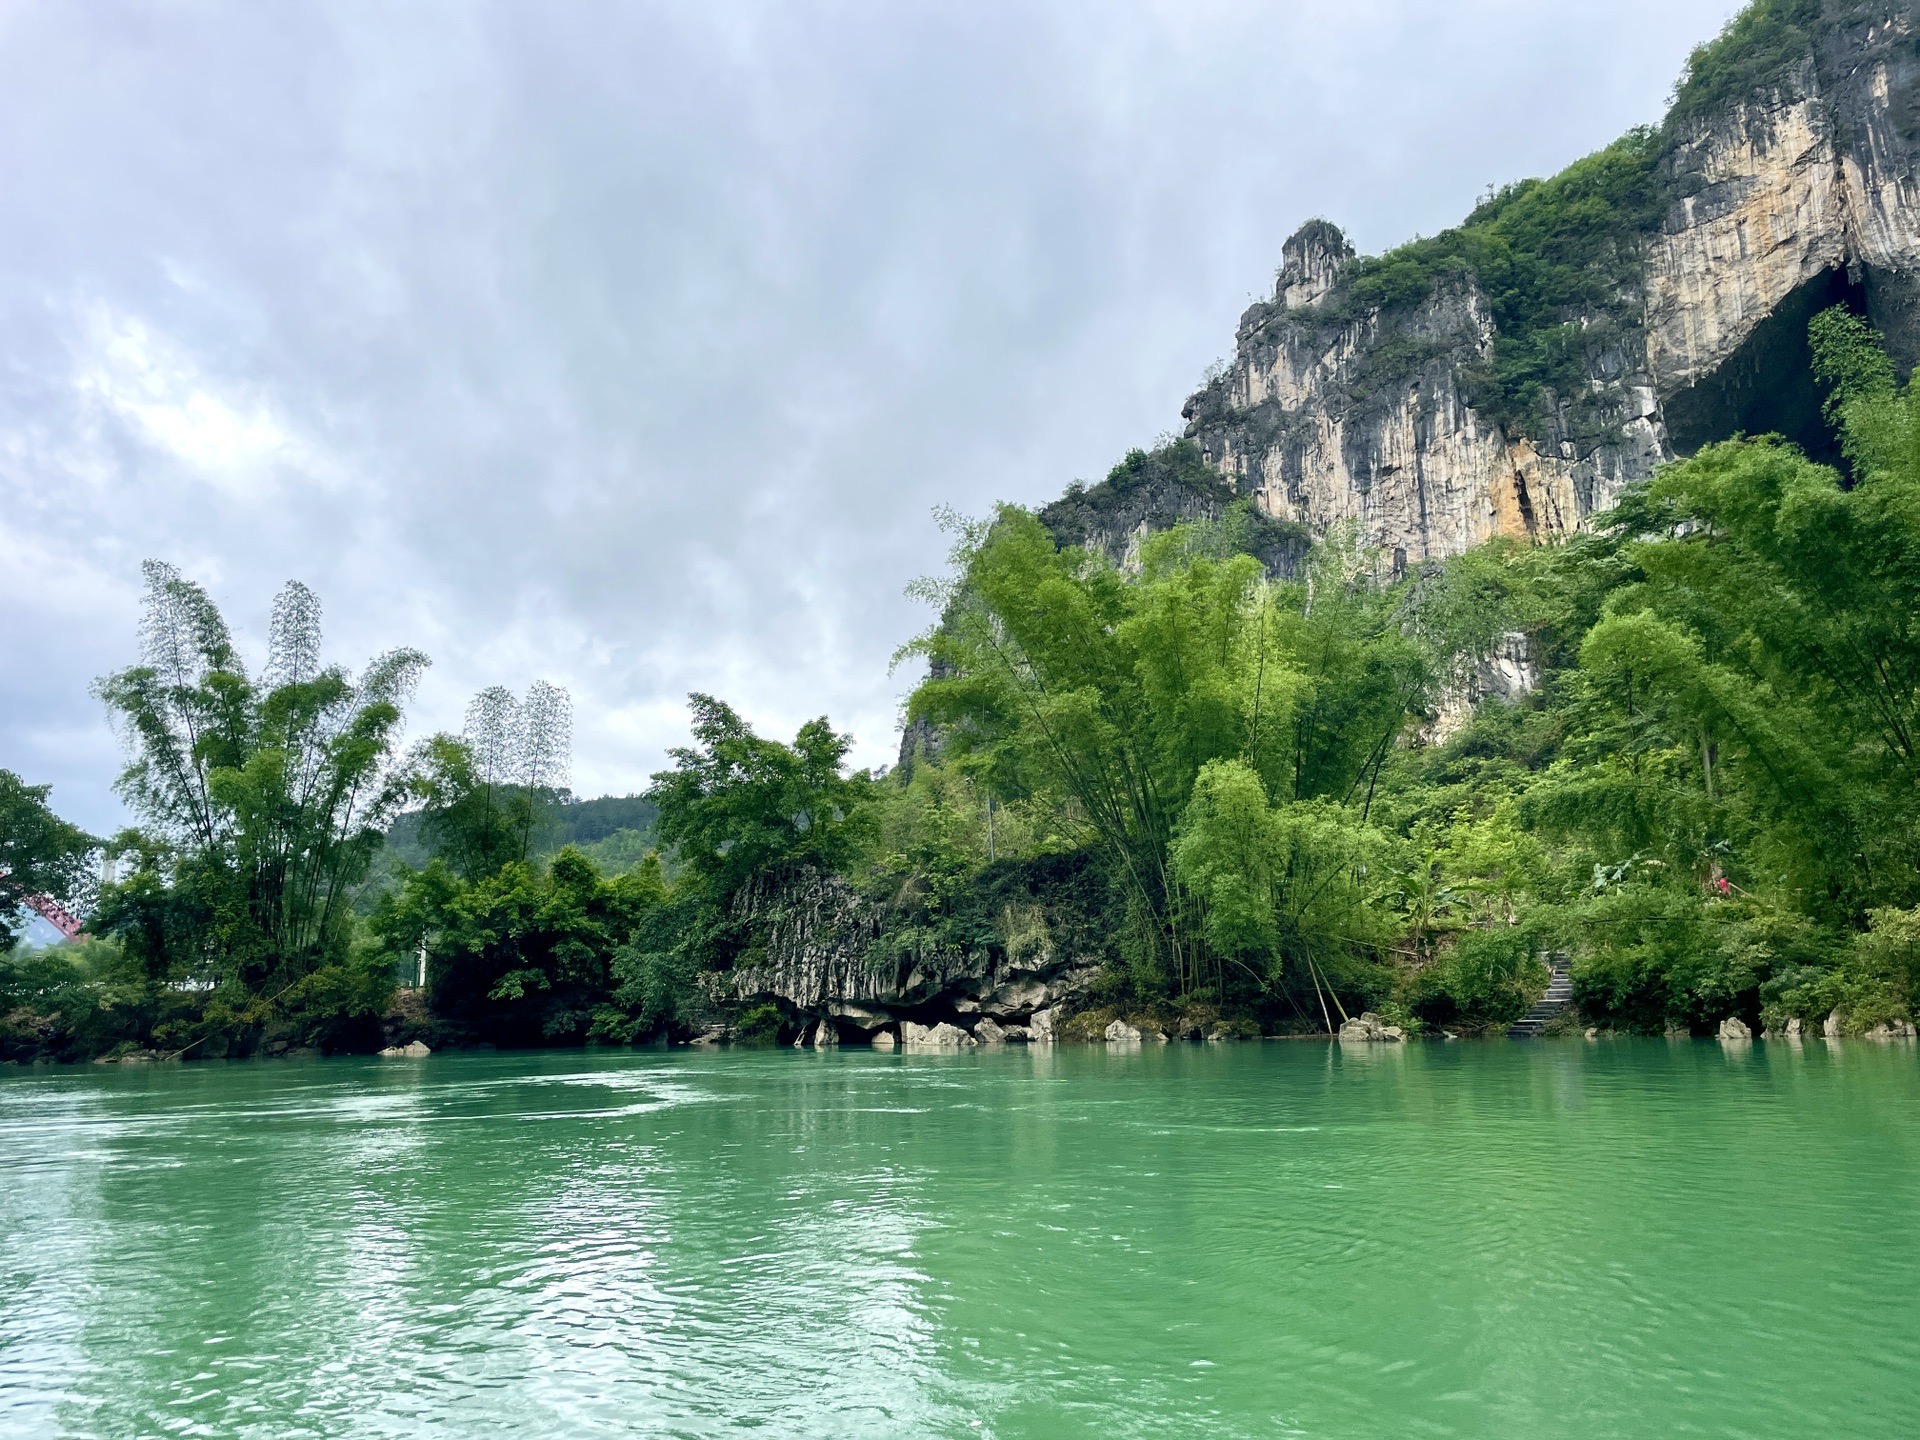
1758 47
1559 261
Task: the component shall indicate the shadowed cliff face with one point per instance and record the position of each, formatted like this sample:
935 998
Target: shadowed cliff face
1766 385
1357 397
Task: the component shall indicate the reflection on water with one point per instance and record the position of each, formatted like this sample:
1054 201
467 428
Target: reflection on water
1540 1240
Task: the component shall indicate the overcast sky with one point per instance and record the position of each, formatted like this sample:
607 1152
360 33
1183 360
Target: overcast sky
630 345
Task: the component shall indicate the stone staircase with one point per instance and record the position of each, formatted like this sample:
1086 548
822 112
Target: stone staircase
1559 995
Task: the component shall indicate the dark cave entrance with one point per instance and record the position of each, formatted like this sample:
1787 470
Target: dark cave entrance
1767 385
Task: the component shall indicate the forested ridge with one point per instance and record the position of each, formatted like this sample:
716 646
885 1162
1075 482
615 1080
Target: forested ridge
1260 802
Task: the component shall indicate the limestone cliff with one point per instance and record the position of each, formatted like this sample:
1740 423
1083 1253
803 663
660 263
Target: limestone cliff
816 956
1447 393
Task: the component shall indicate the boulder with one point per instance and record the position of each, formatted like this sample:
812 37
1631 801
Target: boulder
825 1037
1592 1032
412 1050
1734 1028
941 1037
1792 1030
989 1032
712 1035
1220 1035
1892 1030
1013 1032
1120 1032
1014 997
883 1040
1830 1028
1040 1027
1368 1027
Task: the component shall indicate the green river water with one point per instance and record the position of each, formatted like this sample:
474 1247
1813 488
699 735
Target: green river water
1628 1238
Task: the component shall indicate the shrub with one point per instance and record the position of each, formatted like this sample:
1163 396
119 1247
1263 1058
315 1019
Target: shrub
760 1025
1485 980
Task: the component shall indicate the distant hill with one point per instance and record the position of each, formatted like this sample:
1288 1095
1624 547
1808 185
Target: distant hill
615 831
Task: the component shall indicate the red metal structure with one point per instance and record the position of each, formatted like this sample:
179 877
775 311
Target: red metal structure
56 915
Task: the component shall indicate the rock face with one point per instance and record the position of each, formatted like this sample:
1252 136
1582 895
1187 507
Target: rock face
818 933
1368 1028
937 1037
1901 1029
1798 193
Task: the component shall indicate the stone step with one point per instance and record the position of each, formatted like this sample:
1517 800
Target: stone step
1558 997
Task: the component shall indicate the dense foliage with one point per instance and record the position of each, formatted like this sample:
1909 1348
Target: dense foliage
40 854
1268 800
1553 257
1757 48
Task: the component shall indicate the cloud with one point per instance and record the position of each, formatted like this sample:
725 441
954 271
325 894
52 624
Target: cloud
630 345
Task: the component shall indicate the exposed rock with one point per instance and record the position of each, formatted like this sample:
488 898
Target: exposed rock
412 1050
712 1035
1790 1029
1734 1028
989 1032
1369 1027
883 1040
1121 1032
820 1035
1900 1029
1830 1028
1592 1032
816 933
1013 1032
864 1017
1021 995
1040 1027
938 1037
1795 194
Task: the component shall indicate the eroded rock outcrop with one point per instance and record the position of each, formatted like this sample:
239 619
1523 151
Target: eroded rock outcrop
1368 407
816 958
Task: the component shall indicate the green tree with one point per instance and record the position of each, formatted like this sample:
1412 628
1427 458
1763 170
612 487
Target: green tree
524 955
264 799
40 854
736 807
1055 674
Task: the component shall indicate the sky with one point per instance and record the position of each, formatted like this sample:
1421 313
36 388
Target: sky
631 346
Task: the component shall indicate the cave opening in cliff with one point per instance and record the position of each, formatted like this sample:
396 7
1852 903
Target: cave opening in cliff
1767 385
